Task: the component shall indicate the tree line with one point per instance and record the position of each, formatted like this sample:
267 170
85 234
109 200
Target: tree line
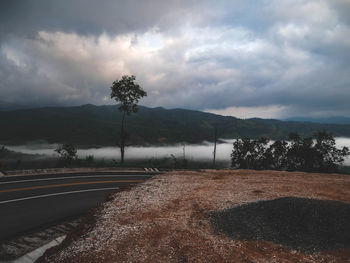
311 154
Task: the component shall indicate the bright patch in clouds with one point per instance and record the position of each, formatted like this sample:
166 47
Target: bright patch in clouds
274 111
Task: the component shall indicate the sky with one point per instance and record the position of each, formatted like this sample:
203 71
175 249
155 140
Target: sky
248 58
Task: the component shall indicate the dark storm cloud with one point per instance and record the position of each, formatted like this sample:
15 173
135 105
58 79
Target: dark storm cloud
282 57
87 16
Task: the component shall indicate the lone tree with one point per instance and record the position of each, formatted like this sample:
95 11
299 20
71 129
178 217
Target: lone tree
128 93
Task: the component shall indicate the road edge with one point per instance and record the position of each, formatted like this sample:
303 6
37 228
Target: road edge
37 253
87 223
15 173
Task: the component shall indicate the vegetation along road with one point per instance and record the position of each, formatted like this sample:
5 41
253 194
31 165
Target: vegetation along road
28 203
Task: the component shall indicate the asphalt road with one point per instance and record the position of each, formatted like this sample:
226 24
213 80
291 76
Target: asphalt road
30 203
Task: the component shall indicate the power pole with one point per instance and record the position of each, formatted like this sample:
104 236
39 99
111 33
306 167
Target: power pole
215 139
184 161
184 151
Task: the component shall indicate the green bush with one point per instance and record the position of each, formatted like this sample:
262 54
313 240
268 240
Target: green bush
312 154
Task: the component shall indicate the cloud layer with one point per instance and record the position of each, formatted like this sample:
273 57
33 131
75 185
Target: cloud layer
243 58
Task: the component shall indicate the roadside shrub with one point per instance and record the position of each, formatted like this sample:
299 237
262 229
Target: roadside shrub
249 154
318 153
67 154
89 160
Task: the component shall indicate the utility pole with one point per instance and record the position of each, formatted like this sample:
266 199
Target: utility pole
184 151
184 160
215 139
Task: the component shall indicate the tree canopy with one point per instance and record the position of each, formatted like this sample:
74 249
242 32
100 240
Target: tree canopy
312 154
67 152
128 93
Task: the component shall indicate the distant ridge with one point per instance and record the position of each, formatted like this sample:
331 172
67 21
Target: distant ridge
331 120
90 125
7 106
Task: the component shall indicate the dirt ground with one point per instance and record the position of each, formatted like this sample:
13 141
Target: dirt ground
166 219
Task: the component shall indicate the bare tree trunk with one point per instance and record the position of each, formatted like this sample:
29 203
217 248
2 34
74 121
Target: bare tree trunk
122 140
215 139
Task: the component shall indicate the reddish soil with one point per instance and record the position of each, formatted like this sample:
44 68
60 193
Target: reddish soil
166 219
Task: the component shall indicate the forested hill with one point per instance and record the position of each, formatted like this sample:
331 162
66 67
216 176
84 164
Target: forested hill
99 125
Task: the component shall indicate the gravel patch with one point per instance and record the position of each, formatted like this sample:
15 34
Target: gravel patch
299 223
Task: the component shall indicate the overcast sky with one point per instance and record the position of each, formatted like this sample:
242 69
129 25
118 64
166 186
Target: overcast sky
243 58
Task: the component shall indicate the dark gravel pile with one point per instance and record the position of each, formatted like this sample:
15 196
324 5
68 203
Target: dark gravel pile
303 224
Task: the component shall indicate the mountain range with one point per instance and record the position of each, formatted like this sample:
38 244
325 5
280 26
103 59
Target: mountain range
90 125
8 106
334 120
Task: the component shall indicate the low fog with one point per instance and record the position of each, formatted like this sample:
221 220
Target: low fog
200 152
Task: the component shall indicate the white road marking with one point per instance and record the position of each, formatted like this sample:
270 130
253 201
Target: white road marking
75 177
63 193
34 255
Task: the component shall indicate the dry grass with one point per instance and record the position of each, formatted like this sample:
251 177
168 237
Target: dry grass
165 219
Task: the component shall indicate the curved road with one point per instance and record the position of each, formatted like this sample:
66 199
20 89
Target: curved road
29 203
